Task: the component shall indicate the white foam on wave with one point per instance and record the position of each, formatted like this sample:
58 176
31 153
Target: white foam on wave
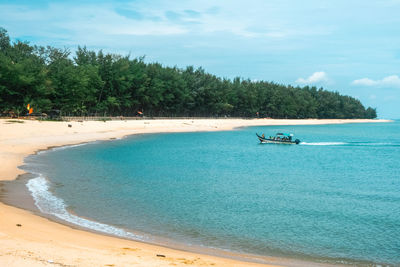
59 148
67 146
323 144
50 204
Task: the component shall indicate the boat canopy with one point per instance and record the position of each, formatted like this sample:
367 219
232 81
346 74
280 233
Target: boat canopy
285 134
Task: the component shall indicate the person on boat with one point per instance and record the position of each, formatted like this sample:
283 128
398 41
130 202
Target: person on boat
263 136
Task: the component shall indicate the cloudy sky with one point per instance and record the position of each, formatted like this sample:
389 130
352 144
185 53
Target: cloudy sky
350 46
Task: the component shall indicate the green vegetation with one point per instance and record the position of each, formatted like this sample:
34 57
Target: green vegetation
90 83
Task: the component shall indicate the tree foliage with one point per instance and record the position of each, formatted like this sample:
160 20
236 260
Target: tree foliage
97 83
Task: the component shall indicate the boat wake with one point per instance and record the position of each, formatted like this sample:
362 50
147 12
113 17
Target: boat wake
349 144
323 144
50 204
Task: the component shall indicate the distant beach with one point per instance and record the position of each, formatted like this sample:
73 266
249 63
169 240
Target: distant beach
30 240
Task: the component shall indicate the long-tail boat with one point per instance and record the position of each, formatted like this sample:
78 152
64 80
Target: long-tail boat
279 138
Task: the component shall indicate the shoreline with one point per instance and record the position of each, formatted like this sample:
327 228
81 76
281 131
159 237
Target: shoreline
17 194
19 140
159 242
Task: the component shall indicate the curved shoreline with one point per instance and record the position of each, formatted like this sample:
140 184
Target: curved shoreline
39 238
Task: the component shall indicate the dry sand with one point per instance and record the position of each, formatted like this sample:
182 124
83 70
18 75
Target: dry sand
30 240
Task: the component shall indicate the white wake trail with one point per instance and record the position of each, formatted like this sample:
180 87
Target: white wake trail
323 144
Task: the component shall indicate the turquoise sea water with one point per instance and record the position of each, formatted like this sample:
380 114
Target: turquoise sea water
335 197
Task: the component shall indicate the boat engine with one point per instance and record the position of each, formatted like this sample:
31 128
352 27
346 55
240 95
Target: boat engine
297 141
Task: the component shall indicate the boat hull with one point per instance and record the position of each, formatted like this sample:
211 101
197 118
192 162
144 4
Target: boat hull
264 140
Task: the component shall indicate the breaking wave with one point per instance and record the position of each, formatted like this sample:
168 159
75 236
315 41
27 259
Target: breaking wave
50 204
60 148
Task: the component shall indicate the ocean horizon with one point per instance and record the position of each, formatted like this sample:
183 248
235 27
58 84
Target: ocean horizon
334 198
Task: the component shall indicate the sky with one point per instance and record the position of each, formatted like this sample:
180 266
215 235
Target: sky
351 46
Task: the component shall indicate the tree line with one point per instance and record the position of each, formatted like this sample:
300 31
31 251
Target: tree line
98 83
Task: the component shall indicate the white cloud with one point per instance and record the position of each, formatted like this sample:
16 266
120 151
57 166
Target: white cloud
392 80
364 81
157 18
316 77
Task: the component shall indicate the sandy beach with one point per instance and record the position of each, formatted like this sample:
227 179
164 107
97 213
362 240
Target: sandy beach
30 240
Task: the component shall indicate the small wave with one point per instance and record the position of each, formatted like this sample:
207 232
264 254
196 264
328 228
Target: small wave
67 146
323 144
50 204
40 152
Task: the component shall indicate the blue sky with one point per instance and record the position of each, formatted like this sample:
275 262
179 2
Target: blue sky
348 46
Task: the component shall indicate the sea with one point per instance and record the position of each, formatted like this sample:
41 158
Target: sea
334 198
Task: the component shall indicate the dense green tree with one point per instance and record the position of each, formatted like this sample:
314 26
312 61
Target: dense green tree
89 83
23 78
370 113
